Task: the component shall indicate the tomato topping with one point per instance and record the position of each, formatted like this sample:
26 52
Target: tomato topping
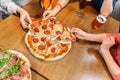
51 26
35 40
58 38
44 26
43 39
48 43
53 50
47 32
52 20
58 32
36 29
41 47
63 45
67 39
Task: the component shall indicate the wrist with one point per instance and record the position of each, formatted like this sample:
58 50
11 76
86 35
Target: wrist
19 10
86 36
104 52
57 8
60 6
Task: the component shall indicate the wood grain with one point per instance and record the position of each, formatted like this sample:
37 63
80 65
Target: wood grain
83 62
1 18
36 76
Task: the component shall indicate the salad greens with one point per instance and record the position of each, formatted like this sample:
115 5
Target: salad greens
5 57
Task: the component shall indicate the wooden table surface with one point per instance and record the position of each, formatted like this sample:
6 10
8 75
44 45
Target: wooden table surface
83 62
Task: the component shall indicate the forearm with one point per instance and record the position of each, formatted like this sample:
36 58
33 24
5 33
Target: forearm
95 37
106 7
111 64
57 7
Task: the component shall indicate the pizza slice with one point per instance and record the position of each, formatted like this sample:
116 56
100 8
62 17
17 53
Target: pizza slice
66 37
36 45
14 66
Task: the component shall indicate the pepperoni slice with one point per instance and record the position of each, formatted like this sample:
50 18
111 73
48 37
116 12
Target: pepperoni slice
44 26
41 47
48 43
53 50
51 26
63 45
47 32
58 38
43 39
35 40
67 39
36 29
58 32
52 20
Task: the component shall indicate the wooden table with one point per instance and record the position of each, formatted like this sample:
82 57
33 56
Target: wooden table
1 18
83 62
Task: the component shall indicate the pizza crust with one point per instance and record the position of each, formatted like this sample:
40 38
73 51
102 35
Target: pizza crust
59 57
42 57
44 51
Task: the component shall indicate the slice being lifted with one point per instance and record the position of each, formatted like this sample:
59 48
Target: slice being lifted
48 39
14 66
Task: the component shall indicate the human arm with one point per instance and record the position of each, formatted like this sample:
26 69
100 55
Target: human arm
11 8
52 12
105 53
106 7
79 33
24 17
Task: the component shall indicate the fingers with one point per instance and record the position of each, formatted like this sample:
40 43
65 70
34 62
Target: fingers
74 30
109 40
107 43
77 30
25 21
112 39
28 19
24 24
79 36
47 14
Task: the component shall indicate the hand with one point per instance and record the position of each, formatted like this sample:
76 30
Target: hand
48 13
24 18
79 33
107 43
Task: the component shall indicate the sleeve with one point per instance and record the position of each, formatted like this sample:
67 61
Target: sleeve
9 6
116 36
117 77
117 41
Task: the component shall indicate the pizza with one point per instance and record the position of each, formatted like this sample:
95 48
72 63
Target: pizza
49 39
14 66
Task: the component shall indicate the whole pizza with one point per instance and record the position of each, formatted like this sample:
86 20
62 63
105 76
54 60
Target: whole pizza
49 39
14 66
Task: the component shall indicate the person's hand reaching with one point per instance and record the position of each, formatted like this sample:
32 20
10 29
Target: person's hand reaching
24 18
79 33
107 43
48 13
